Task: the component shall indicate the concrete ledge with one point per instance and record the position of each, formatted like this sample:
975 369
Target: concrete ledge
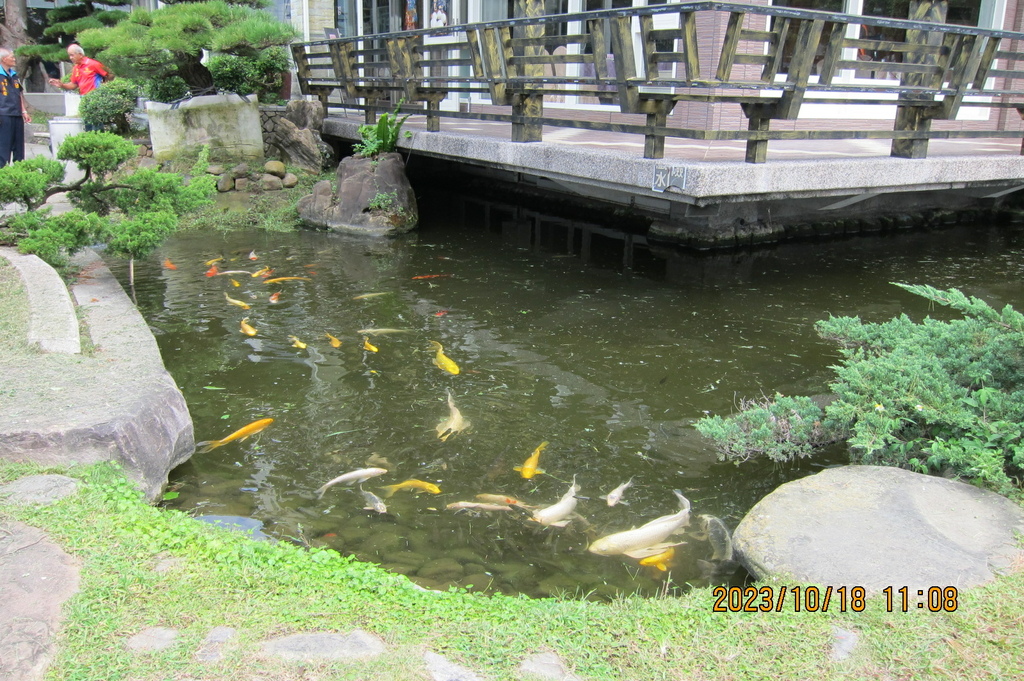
53 324
119 404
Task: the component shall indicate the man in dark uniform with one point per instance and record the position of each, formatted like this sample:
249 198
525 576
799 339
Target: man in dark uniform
13 114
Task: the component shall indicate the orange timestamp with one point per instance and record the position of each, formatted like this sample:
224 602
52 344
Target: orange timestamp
820 599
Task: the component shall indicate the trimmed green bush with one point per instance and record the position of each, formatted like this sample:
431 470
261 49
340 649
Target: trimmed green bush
111 105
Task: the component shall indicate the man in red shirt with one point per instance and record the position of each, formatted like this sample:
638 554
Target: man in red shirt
86 75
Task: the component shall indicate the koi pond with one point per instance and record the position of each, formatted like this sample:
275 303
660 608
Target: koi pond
591 340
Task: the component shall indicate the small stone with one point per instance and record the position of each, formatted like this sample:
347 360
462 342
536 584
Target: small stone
241 184
153 639
441 669
271 183
289 180
216 169
148 162
843 644
319 646
275 168
240 170
440 569
38 489
546 666
225 183
212 649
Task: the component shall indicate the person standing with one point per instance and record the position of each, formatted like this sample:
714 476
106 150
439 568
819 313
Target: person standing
13 114
86 75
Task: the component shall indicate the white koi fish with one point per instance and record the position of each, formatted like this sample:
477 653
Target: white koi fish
615 496
647 539
554 515
361 475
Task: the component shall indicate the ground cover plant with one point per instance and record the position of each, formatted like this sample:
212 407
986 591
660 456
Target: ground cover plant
931 396
216 577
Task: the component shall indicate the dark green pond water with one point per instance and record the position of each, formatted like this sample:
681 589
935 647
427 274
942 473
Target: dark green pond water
567 333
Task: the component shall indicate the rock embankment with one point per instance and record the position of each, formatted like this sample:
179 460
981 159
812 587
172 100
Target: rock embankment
875 526
116 402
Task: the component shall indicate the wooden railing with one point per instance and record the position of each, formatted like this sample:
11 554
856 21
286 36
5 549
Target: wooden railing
769 61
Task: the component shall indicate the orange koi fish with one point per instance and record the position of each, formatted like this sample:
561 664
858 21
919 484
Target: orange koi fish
529 467
212 272
276 279
274 297
369 346
168 265
431 276
440 313
246 329
335 343
240 434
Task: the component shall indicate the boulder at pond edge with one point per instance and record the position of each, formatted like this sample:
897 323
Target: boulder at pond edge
374 198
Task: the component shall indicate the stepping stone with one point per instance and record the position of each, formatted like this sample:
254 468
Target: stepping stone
357 645
878 526
843 644
36 577
153 639
441 669
213 646
546 666
38 489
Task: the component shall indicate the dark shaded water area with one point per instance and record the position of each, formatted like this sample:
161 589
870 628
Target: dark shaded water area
578 335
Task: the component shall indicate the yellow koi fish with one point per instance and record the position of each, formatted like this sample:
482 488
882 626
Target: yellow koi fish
246 329
276 279
235 283
239 303
442 362
208 263
369 346
240 434
296 343
416 485
660 560
335 343
529 467
262 270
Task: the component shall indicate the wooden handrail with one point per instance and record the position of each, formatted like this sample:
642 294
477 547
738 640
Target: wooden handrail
770 61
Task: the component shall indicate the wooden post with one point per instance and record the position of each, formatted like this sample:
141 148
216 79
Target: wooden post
529 106
913 116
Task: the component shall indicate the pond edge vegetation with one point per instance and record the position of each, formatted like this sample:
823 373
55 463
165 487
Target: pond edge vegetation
222 578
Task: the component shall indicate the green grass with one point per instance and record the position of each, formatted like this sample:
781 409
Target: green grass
220 578
13 314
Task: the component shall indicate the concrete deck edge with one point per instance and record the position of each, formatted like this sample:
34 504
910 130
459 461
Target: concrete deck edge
712 181
53 324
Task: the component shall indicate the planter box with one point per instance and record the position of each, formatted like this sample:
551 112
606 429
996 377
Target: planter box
229 124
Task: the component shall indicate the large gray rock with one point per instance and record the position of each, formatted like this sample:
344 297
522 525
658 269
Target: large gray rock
306 114
374 197
876 526
119 404
299 147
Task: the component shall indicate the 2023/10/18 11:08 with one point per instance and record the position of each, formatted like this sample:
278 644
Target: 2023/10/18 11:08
820 599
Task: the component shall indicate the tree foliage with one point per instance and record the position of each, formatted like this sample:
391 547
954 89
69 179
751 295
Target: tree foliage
65 22
933 396
111 105
131 212
169 43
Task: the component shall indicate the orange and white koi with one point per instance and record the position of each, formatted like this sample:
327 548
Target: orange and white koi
502 499
239 303
431 276
260 272
240 434
414 485
247 329
529 467
253 256
274 297
213 271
